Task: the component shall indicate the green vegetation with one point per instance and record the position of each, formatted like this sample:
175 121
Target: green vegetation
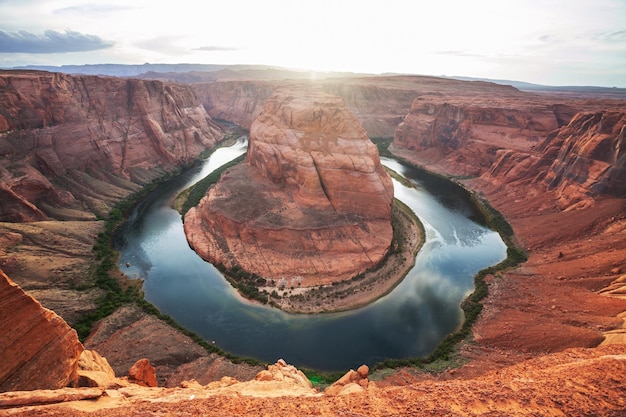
496 221
245 282
321 379
197 191
114 295
382 143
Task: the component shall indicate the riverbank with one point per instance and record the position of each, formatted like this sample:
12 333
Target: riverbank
367 287
556 299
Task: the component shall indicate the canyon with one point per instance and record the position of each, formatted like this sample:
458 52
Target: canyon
73 146
312 200
550 337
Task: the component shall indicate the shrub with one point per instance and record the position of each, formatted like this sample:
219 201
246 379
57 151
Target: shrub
199 189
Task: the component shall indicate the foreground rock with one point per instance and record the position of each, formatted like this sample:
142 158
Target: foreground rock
312 201
576 382
39 350
352 382
95 371
281 371
143 373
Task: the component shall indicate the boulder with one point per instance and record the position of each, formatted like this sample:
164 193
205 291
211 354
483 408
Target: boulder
352 382
143 373
281 371
95 371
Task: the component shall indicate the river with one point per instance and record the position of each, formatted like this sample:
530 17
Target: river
409 321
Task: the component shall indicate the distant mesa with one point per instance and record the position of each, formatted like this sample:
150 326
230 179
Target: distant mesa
312 201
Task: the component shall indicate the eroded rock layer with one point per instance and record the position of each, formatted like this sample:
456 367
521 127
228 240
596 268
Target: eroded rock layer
467 132
591 158
580 162
39 350
311 201
84 142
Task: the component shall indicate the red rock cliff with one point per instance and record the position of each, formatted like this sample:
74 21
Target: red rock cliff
379 103
39 350
580 162
312 201
466 132
591 158
83 142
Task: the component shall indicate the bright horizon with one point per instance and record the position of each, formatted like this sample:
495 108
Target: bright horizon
549 42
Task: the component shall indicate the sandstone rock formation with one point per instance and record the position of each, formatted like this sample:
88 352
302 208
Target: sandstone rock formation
591 158
130 334
84 142
281 371
143 373
580 162
379 103
577 382
352 382
39 350
467 132
555 301
312 200
95 371
239 102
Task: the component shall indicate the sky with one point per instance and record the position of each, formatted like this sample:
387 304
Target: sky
552 42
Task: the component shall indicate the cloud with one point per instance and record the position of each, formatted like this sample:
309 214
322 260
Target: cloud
215 48
169 45
177 45
460 53
619 36
88 9
50 42
549 39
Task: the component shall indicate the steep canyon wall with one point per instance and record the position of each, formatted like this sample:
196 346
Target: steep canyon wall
84 142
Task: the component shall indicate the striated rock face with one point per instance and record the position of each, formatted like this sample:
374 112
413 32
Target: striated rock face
83 142
39 350
239 102
311 201
467 133
313 144
590 157
579 162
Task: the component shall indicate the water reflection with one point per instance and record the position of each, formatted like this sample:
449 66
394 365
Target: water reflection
409 321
